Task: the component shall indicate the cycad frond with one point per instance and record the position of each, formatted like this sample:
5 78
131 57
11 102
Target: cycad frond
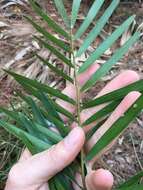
45 113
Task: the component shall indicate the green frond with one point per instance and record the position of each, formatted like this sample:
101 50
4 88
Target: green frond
116 129
38 144
98 27
106 44
62 11
51 23
112 61
34 122
102 113
56 52
89 18
55 70
54 92
133 181
75 10
91 132
115 95
48 36
49 104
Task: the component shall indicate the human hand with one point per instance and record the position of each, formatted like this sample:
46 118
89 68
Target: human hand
33 172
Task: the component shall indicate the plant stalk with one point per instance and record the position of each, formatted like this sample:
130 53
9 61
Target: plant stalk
78 101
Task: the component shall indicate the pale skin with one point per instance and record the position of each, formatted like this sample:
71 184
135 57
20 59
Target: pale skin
33 172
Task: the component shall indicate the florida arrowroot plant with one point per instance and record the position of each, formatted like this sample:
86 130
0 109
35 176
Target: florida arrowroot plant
34 127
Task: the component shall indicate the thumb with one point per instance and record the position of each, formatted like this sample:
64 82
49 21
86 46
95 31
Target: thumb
99 180
41 167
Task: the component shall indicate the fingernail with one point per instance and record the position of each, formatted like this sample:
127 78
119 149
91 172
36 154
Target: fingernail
73 138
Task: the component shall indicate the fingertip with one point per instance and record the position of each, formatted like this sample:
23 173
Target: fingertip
132 74
101 180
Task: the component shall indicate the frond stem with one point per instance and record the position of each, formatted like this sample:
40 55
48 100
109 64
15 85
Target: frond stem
78 101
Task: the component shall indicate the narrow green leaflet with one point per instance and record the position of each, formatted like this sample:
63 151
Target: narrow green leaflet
63 129
54 92
39 144
11 114
63 111
47 102
101 113
28 143
64 182
45 99
59 185
24 122
49 105
75 10
133 187
69 172
49 36
48 19
29 125
55 69
51 135
37 114
55 52
107 43
42 117
62 11
98 27
51 184
89 18
134 180
20 120
91 132
112 61
117 128
115 95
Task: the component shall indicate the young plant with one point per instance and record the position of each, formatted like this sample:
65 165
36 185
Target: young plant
34 126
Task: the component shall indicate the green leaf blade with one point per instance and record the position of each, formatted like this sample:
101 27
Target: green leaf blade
39 144
106 44
61 127
97 29
49 20
55 52
102 113
113 60
89 18
116 95
54 92
75 10
62 11
132 187
49 36
54 69
133 180
51 135
116 129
